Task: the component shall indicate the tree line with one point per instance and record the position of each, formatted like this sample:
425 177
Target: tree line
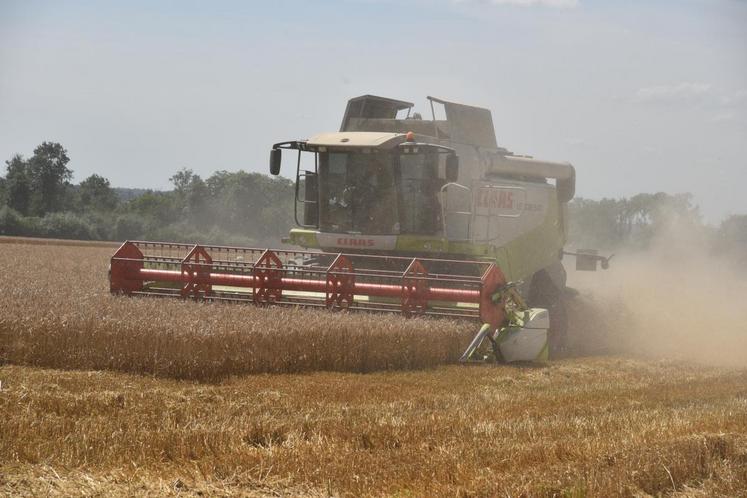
38 199
637 221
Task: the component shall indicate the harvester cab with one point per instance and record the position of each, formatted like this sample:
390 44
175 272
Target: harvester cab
366 188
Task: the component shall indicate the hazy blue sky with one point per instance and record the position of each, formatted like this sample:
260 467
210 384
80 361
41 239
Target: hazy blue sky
638 95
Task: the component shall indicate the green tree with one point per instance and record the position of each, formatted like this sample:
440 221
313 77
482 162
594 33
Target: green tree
182 180
193 196
611 223
49 178
95 193
158 208
17 185
734 229
252 204
599 224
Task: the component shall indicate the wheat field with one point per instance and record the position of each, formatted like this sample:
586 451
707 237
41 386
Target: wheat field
60 314
112 396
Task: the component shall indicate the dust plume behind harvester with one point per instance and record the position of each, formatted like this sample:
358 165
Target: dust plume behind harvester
400 214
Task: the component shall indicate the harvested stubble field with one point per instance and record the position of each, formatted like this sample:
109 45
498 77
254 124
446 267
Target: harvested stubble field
105 396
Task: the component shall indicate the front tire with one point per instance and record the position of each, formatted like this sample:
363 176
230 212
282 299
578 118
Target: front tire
557 334
544 294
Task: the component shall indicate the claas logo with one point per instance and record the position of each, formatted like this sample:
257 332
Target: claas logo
344 241
495 198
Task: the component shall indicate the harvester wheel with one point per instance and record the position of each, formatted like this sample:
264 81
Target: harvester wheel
544 294
557 335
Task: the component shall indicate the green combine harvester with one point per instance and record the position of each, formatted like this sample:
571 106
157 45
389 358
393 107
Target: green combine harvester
397 213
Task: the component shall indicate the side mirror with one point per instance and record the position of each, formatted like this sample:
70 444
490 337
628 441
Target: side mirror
452 168
275 159
586 260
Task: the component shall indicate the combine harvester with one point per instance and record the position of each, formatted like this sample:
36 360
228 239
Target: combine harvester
400 214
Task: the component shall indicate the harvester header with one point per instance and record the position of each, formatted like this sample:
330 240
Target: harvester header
336 281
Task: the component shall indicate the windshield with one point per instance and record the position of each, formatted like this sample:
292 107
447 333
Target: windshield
358 193
379 193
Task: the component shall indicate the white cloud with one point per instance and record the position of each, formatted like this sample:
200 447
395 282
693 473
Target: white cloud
557 4
682 93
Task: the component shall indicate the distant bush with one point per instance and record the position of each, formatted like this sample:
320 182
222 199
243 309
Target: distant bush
66 225
13 223
128 227
10 221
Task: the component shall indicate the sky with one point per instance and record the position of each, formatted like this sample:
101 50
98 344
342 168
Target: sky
640 96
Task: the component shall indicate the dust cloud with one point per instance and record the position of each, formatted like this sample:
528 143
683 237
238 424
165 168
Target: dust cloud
675 300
